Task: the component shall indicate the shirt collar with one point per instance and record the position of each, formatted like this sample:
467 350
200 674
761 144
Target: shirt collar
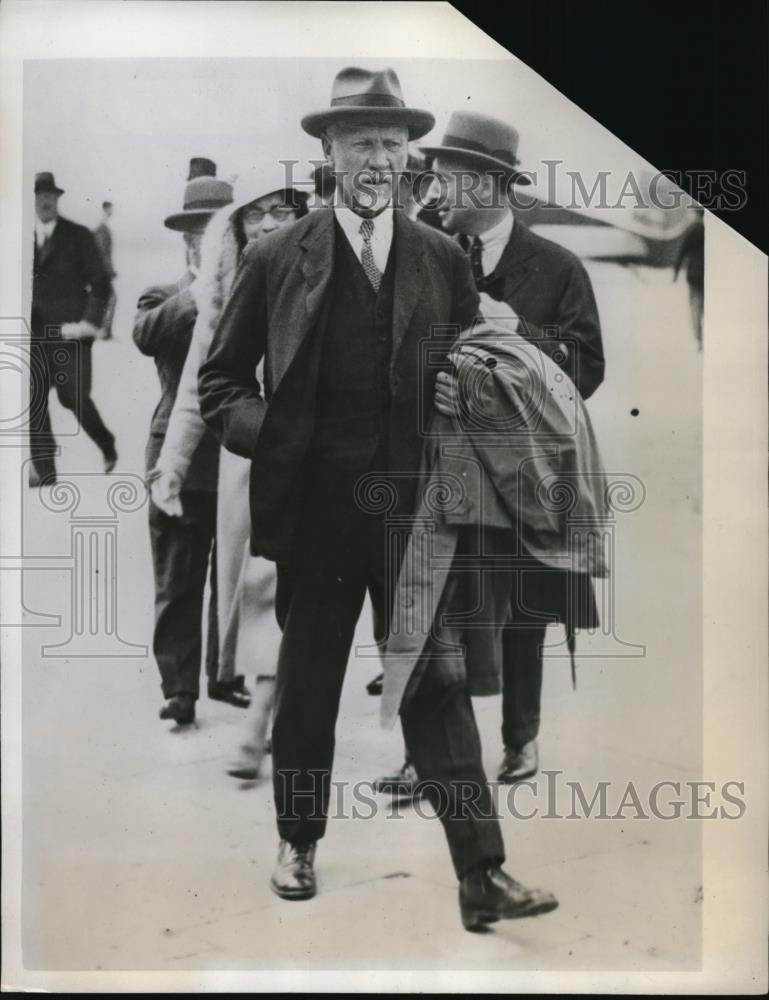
350 222
499 233
44 229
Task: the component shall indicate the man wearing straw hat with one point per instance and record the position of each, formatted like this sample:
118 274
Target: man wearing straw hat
353 310
181 546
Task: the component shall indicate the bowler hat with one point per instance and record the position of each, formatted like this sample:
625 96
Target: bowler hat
202 197
372 97
201 166
44 181
487 142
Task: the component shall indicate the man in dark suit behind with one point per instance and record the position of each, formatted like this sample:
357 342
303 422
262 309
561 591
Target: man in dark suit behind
546 288
102 234
341 307
181 545
70 291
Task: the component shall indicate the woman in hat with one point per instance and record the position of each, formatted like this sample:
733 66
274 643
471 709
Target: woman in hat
262 204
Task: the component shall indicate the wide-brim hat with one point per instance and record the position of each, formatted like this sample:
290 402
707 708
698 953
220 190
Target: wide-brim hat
486 142
44 181
202 197
360 95
266 178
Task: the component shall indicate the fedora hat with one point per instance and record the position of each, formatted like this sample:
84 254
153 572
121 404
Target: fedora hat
201 166
486 142
372 97
202 197
44 181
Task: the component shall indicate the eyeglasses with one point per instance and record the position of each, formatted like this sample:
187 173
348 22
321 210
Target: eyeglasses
280 213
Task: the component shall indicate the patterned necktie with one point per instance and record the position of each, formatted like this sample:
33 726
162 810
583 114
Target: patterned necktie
373 273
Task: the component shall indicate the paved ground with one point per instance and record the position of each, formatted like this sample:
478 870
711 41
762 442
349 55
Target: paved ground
139 853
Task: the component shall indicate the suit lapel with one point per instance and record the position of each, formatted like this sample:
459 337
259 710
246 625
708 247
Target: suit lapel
516 261
317 246
407 244
316 251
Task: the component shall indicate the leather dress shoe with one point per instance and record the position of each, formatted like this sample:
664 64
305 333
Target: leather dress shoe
403 784
294 874
248 764
232 692
110 459
375 687
517 765
46 479
488 894
180 708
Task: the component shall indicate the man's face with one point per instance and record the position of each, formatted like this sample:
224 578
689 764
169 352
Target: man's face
464 196
193 240
266 214
366 160
46 205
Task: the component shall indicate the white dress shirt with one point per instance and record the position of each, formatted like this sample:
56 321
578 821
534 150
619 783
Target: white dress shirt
44 231
494 241
381 239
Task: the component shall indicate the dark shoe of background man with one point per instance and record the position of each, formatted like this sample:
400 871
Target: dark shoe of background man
180 708
403 784
517 765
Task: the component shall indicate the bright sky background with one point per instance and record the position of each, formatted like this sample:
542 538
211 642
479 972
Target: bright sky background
124 129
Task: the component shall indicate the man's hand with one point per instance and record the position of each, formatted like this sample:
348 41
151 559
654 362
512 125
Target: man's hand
498 313
447 395
77 331
165 490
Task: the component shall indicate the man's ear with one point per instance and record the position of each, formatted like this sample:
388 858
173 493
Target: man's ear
327 150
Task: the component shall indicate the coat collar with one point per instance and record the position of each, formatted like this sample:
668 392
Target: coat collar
43 253
408 249
516 261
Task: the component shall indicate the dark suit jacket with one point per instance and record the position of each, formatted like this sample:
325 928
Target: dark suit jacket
70 282
279 298
163 331
103 237
548 287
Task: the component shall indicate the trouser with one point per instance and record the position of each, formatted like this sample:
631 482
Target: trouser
521 683
182 555
66 366
339 556
233 527
109 315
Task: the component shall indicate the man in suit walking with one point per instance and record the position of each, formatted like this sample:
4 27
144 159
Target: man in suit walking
102 234
547 290
70 291
344 307
181 546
